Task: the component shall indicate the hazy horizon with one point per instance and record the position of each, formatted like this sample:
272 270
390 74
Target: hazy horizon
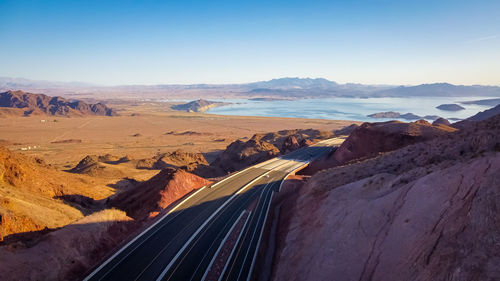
235 83
224 42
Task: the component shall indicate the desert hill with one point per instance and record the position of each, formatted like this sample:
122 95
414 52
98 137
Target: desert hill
177 158
483 115
45 212
157 193
42 104
30 192
441 121
67 253
100 166
427 211
489 102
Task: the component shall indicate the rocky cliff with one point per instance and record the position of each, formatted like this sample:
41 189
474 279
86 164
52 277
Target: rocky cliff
427 211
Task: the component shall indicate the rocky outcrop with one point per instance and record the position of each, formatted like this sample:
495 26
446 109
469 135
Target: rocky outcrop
197 105
157 193
290 144
239 155
428 211
177 158
261 147
93 165
450 107
302 136
43 104
372 138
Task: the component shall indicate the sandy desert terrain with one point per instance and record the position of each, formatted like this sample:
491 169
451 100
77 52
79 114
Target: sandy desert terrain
141 130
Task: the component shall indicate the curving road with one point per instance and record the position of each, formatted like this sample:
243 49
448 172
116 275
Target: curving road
182 244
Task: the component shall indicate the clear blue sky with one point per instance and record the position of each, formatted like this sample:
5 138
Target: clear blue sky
150 42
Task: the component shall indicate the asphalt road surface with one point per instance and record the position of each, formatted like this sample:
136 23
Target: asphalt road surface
182 244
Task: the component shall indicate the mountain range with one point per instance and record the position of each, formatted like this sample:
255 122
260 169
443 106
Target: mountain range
33 104
279 88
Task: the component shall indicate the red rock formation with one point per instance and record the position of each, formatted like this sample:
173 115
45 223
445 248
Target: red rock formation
369 139
157 193
428 211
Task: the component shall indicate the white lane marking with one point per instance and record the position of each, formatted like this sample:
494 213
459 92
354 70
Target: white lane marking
248 168
205 223
260 237
138 236
231 176
253 235
180 203
225 239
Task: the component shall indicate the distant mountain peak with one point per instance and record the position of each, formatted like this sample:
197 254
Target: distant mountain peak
295 83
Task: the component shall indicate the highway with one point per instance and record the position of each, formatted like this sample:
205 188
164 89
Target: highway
182 244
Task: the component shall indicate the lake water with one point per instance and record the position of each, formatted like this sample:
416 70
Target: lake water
348 108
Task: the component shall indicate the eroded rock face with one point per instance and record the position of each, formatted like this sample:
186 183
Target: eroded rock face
380 226
428 211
